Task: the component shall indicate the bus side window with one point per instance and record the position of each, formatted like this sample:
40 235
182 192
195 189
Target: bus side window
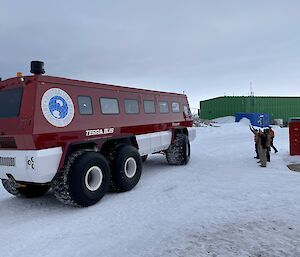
149 106
175 107
109 105
163 107
85 105
131 106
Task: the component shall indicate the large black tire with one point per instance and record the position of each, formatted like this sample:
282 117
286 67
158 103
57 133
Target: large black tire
179 151
126 168
24 189
84 180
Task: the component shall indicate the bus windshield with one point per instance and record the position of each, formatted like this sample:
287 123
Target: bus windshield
10 102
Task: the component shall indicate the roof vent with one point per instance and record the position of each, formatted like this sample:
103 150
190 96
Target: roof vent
37 67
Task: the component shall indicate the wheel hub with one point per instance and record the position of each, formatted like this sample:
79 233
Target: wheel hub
93 178
130 167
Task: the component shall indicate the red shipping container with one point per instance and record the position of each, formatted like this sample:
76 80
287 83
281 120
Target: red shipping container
294 131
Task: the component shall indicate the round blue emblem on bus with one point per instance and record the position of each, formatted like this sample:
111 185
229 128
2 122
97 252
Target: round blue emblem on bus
57 107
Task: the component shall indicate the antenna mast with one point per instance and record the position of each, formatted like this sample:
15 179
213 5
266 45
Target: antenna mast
251 89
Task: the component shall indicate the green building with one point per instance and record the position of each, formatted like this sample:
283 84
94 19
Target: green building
277 107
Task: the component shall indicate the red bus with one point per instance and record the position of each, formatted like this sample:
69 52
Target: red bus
82 138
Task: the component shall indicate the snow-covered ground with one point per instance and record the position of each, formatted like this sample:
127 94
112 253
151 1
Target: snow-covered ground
221 204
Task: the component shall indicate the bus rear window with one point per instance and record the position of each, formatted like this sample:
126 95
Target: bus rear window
10 102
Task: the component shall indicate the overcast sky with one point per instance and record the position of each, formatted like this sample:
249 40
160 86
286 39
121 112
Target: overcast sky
204 48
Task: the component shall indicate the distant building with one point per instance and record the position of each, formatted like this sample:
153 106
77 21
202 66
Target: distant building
277 107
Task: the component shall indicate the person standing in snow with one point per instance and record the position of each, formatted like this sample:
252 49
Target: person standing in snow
268 142
272 135
263 146
256 137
